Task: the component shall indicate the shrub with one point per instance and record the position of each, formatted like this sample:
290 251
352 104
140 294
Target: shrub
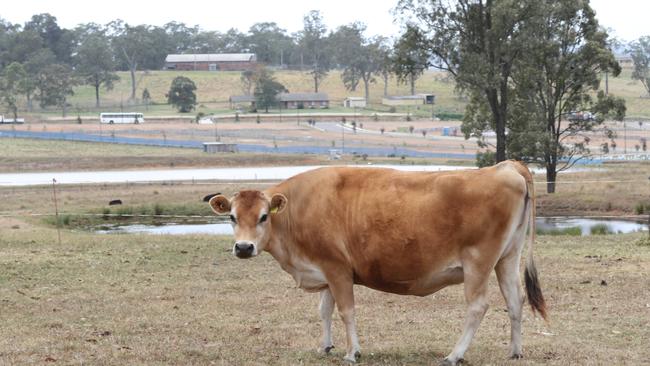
158 209
600 229
641 208
484 159
571 231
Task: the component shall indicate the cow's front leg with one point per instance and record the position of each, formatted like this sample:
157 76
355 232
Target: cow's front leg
326 308
343 293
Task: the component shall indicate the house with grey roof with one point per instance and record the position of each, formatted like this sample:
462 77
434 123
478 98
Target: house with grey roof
303 100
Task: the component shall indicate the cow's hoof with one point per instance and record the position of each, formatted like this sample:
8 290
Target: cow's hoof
448 362
352 359
516 356
325 350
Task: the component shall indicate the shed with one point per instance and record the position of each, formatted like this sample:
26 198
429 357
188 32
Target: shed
217 147
242 102
417 99
303 100
352 102
211 61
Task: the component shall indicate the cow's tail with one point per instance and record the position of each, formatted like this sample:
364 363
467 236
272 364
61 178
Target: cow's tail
533 290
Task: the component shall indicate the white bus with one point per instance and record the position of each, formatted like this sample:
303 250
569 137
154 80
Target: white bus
121 118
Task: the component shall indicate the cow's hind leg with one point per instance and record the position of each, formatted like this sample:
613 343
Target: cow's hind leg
343 293
507 270
326 308
476 281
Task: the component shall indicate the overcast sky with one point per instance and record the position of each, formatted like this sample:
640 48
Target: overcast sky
628 18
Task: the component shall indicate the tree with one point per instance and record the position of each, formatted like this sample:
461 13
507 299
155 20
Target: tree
565 54
180 37
54 38
268 41
247 79
146 98
314 45
267 89
181 94
55 83
640 52
94 59
411 57
34 66
11 85
358 56
478 43
134 46
385 62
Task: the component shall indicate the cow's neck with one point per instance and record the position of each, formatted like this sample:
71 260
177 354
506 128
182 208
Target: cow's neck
279 248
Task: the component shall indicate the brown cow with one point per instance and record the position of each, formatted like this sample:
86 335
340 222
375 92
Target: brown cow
409 233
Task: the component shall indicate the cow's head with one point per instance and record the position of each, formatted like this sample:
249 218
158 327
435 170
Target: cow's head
250 215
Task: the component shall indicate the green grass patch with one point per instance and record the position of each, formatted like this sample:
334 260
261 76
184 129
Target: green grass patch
600 229
571 231
153 213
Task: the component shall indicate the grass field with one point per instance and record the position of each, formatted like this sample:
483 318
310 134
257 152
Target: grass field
214 89
137 299
23 155
141 299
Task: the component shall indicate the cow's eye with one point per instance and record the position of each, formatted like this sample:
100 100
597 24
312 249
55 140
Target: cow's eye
263 218
232 218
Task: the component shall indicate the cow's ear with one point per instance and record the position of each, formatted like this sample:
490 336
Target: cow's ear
220 204
278 203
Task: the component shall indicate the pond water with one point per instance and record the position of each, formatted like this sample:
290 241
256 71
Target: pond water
219 228
587 226
168 175
224 228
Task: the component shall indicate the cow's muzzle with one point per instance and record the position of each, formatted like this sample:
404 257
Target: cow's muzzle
244 249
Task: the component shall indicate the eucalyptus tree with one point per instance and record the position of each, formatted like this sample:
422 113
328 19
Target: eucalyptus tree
314 47
640 52
411 57
12 83
478 43
95 62
554 108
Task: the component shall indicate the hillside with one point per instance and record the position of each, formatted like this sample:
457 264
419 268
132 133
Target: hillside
214 89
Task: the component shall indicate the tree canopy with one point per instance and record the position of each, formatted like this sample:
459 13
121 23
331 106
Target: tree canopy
182 94
267 89
640 52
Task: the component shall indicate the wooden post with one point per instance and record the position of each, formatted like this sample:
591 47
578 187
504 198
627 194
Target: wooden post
56 211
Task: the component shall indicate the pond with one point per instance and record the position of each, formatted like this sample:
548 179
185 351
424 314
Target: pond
586 226
218 228
545 225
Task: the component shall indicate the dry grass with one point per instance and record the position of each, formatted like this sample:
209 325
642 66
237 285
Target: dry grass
22 155
581 196
137 299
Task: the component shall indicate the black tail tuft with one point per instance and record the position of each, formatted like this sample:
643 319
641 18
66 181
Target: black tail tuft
534 292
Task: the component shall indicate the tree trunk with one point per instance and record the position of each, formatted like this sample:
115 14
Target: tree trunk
551 176
412 84
14 109
498 113
385 85
366 85
30 105
315 82
97 95
132 70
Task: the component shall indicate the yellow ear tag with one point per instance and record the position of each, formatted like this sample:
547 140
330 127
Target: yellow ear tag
274 210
